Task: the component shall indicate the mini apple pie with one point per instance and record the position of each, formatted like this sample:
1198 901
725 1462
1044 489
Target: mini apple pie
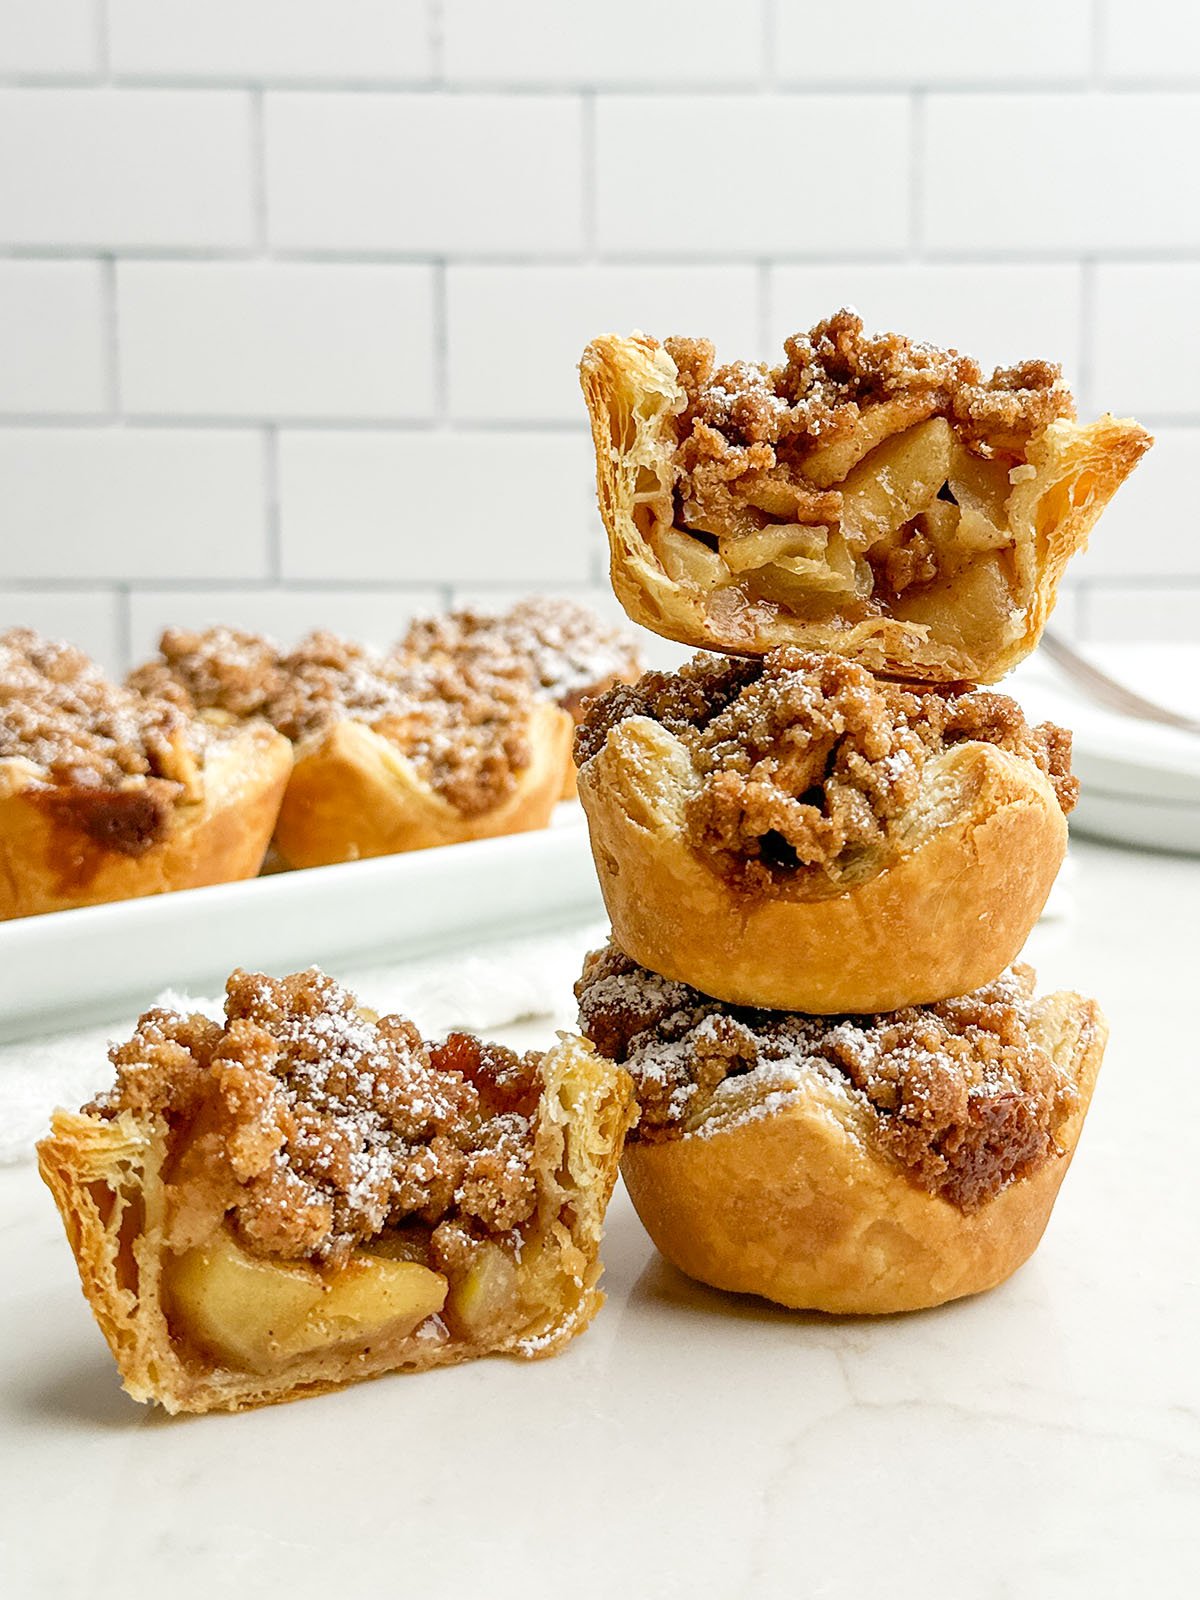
308 1195
391 754
106 794
871 496
790 831
570 653
847 1164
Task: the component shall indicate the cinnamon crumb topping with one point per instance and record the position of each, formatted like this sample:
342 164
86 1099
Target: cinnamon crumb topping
567 649
960 1093
836 372
312 1127
463 724
59 712
807 762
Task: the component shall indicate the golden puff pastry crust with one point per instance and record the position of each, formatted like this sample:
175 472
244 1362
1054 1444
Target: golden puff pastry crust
354 793
982 610
63 846
794 833
949 913
111 1180
780 1187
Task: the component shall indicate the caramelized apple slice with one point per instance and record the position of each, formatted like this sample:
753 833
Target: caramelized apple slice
369 1296
829 463
238 1306
772 543
895 482
486 1302
254 1313
686 560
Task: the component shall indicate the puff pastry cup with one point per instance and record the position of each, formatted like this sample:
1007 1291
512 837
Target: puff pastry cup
306 1196
866 1165
106 795
356 792
870 496
791 832
392 753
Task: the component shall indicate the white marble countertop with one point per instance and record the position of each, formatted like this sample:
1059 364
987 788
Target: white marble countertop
1043 1440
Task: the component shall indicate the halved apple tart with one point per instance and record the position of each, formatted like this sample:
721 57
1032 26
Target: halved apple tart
871 496
308 1195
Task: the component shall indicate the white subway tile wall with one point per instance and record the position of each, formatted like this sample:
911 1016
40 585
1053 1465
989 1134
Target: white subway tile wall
292 291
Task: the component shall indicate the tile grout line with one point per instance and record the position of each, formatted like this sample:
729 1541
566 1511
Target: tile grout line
102 24
426 85
770 46
272 517
437 44
1085 376
124 617
112 337
258 172
566 260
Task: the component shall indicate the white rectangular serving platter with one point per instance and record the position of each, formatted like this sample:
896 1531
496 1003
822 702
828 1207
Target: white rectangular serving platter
72 967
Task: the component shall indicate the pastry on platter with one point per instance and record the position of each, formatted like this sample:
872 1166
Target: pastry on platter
107 794
392 754
790 831
871 496
851 1164
570 652
305 1195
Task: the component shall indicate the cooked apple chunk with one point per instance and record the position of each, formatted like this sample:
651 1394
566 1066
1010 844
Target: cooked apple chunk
306 1195
870 496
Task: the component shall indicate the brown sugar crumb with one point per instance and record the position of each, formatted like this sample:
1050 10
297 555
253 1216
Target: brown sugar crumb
807 763
121 759
313 1128
463 724
221 669
567 650
960 1093
836 372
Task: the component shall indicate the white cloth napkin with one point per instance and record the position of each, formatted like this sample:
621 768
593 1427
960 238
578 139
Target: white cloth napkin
479 990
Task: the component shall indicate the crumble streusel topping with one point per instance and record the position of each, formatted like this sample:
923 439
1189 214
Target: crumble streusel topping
568 650
313 1127
462 723
808 762
222 669
833 374
59 711
960 1093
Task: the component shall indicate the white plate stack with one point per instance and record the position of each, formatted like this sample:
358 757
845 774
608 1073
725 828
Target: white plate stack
1140 781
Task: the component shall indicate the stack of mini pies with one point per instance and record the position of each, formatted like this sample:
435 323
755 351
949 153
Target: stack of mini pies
822 854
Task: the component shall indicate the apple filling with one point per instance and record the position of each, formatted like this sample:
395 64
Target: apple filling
864 474
332 1186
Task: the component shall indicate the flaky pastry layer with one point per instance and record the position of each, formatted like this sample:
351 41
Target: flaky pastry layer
994 529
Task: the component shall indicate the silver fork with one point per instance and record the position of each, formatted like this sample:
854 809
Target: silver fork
1108 691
